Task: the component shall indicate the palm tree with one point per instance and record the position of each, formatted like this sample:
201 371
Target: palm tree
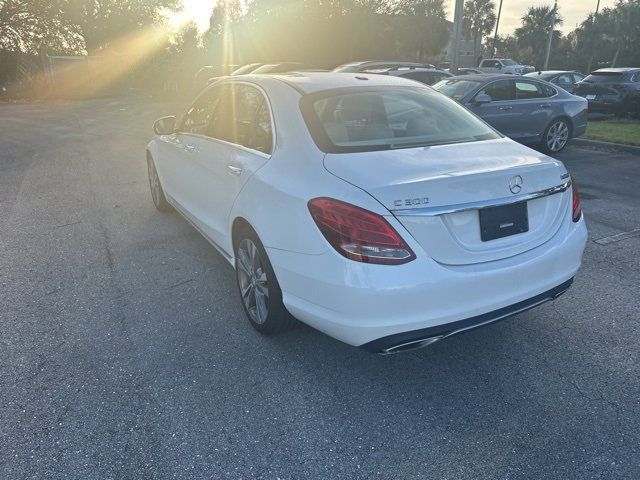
533 33
478 20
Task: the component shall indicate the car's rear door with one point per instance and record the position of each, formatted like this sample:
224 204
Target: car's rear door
500 112
534 109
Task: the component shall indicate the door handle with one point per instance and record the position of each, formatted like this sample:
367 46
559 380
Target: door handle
545 105
233 170
506 108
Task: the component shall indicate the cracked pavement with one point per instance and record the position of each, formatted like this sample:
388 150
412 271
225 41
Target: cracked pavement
124 351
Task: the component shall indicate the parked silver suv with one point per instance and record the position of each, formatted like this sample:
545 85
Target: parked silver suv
504 65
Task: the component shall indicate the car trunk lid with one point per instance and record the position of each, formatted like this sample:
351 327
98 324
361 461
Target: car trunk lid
436 193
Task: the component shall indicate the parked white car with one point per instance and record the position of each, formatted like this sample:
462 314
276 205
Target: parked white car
504 65
370 207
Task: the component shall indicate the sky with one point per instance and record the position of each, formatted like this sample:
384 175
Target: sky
572 11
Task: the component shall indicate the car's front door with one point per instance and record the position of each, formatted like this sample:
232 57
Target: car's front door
500 112
238 141
176 151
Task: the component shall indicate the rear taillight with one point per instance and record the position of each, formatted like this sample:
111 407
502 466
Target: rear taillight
577 209
359 234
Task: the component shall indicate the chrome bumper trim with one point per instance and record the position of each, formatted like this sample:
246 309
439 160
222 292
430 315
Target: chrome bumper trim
462 207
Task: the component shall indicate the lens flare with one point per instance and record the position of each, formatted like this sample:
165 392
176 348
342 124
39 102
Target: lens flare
197 12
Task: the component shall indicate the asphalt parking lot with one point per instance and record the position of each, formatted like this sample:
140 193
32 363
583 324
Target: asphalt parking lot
125 354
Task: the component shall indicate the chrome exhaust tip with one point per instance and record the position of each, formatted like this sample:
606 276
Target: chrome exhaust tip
413 345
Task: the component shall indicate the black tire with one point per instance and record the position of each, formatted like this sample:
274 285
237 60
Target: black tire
249 271
556 136
157 193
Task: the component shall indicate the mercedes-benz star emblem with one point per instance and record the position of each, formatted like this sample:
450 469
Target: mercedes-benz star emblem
515 184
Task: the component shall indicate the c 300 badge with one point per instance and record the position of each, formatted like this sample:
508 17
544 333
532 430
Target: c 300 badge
411 202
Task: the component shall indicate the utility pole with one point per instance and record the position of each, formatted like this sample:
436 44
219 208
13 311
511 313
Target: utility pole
592 43
495 35
457 32
553 23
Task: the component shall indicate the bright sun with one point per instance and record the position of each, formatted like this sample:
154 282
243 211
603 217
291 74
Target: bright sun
196 11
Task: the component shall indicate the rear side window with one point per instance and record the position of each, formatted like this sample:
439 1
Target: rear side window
383 118
499 91
530 90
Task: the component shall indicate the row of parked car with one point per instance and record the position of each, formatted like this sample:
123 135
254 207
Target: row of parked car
544 108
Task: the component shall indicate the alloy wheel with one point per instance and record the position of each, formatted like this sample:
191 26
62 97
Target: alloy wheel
557 136
252 279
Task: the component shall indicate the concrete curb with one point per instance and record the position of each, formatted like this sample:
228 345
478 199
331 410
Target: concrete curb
583 142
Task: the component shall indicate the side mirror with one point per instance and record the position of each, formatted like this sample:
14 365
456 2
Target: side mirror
165 125
481 99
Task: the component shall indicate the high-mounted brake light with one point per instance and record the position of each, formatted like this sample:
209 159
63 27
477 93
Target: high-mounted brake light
359 234
577 209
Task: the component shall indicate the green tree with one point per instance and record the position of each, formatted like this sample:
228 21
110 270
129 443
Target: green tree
101 22
625 19
533 34
35 26
426 29
478 21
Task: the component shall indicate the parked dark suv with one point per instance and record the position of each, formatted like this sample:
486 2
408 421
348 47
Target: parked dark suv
612 90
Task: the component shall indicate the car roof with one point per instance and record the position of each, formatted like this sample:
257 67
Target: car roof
550 72
616 70
404 69
483 77
309 82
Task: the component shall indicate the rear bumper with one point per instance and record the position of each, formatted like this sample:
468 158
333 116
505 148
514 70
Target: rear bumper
361 303
604 107
405 341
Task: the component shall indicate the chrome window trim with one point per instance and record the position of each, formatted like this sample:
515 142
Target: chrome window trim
463 207
484 85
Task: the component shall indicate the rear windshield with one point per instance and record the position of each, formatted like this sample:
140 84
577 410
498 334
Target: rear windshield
383 118
456 88
603 77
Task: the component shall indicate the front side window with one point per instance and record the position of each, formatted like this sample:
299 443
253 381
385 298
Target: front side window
499 91
198 117
577 77
564 80
356 119
509 63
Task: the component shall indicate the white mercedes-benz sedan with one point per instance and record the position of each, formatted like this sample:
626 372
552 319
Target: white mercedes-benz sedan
372 208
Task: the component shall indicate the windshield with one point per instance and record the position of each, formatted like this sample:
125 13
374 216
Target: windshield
509 63
382 118
456 89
